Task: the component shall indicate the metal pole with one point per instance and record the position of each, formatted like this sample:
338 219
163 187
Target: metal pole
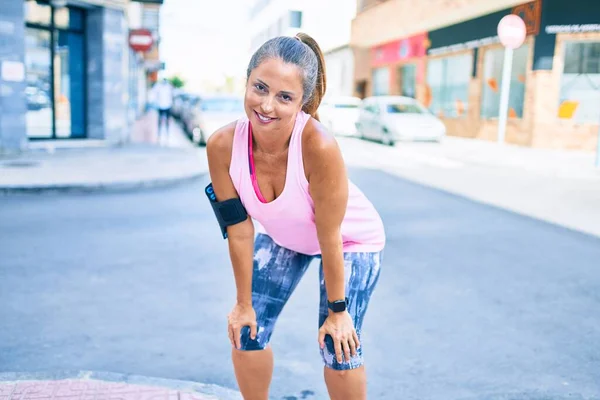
506 73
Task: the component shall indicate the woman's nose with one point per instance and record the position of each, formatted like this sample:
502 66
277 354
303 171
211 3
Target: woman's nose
267 105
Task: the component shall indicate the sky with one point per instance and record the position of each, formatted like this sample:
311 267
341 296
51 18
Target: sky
203 40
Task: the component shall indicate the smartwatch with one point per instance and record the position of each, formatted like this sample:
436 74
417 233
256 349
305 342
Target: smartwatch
338 305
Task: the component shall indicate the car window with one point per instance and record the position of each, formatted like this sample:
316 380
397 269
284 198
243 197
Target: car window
372 108
222 105
340 105
405 108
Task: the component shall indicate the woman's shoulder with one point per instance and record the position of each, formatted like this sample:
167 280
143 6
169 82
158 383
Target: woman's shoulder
220 143
317 140
320 150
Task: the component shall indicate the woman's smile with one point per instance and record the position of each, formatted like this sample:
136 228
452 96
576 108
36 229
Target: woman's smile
263 118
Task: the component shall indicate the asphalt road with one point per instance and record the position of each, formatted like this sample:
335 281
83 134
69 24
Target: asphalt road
473 302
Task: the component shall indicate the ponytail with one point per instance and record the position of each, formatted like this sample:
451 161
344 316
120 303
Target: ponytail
312 104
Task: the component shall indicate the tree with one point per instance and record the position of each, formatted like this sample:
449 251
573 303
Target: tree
177 82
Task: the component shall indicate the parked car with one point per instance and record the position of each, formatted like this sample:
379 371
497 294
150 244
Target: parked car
389 119
211 113
340 114
186 113
178 104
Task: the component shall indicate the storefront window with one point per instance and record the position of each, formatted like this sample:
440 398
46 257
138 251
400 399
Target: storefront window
580 83
35 13
38 91
381 81
492 82
55 64
68 18
448 82
408 80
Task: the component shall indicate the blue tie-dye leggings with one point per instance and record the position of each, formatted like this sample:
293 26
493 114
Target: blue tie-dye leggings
276 274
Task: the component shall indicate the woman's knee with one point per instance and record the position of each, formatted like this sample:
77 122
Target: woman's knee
260 342
330 359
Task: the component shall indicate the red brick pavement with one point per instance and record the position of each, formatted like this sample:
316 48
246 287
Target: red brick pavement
73 389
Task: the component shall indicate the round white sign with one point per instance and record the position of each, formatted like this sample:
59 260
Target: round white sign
512 31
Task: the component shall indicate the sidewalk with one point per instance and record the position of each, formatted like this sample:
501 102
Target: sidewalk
560 187
93 165
557 163
85 385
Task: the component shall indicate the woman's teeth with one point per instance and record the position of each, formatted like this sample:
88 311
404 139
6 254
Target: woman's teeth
263 118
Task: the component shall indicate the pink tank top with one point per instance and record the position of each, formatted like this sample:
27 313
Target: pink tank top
290 219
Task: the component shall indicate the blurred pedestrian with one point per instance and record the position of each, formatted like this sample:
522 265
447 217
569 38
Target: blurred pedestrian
163 97
281 167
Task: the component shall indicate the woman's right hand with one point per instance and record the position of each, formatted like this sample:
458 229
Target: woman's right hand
241 315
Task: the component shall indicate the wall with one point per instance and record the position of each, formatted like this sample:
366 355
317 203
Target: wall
340 72
107 74
394 19
13 134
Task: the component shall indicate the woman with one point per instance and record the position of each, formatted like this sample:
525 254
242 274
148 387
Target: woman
288 173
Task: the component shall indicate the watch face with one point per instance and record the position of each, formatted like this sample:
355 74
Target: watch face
338 306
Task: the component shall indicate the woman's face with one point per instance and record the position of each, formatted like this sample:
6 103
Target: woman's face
273 96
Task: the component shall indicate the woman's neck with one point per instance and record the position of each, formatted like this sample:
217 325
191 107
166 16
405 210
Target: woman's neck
272 142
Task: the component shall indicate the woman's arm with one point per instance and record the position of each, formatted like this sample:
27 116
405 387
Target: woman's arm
329 190
328 181
240 236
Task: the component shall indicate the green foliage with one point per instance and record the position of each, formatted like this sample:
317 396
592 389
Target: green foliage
177 82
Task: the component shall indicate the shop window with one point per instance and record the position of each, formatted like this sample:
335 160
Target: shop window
580 82
407 74
381 81
36 13
448 85
493 62
295 19
68 18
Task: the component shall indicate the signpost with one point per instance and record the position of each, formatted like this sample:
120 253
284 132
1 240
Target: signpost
512 32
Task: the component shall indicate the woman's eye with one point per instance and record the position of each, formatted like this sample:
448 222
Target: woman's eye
260 87
285 97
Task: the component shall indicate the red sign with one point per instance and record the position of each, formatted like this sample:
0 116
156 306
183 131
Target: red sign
512 31
400 50
140 40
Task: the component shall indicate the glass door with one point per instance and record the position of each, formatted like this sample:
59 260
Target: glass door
69 84
39 83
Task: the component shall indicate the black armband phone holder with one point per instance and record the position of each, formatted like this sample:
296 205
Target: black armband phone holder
228 212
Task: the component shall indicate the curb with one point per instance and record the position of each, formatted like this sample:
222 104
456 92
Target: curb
216 391
101 187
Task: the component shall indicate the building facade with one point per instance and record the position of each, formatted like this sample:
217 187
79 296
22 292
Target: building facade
451 60
339 64
64 70
271 18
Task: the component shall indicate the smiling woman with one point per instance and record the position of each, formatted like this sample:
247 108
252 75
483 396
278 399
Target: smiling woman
280 166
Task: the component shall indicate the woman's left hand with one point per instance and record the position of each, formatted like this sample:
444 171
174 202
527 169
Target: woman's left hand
341 329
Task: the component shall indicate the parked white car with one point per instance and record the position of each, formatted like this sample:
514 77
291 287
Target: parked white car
389 119
340 114
212 113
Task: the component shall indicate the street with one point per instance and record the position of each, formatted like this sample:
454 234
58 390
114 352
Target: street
474 302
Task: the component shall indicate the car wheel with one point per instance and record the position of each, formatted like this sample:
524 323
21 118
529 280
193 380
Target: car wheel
359 132
386 138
